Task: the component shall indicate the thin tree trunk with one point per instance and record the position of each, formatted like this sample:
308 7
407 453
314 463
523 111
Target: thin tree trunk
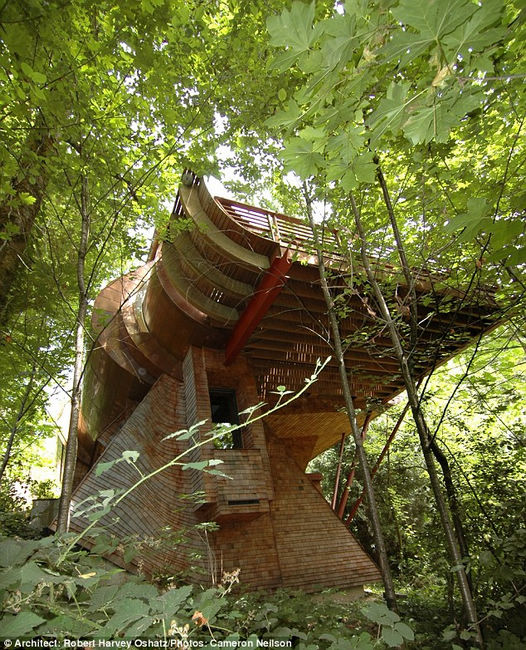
451 493
401 252
360 451
385 449
70 460
14 428
423 431
439 456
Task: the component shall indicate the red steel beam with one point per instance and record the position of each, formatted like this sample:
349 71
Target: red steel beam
359 500
272 283
350 476
338 472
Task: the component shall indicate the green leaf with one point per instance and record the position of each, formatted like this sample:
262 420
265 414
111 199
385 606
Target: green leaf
37 77
449 633
431 20
477 33
130 456
26 69
478 211
302 156
31 575
170 602
404 47
140 626
199 465
14 552
102 597
139 590
364 168
185 434
100 468
19 625
10 577
392 637
404 630
26 198
293 29
380 613
434 122
127 611
390 113
76 627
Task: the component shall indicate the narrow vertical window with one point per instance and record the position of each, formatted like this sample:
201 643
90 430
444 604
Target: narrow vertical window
223 406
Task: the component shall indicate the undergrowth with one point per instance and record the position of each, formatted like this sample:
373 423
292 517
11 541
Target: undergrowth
81 596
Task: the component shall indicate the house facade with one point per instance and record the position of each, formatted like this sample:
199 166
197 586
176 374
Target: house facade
227 309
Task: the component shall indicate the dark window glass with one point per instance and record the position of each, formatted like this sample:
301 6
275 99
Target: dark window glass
224 410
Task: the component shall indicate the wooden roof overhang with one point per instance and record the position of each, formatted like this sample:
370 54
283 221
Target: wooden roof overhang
235 277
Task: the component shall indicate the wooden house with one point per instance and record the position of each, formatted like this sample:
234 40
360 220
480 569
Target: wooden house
228 308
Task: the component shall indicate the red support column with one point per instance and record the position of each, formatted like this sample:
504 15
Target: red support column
338 472
359 500
272 283
350 476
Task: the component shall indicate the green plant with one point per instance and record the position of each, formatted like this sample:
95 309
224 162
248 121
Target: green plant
14 517
14 506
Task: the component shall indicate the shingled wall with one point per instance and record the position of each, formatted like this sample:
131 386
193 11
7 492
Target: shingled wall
290 538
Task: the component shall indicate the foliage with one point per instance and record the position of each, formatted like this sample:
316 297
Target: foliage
407 87
15 499
482 432
86 598
124 98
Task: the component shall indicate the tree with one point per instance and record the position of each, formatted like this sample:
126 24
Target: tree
389 94
351 411
103 107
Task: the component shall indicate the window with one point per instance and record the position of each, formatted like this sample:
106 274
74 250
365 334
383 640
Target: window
224 409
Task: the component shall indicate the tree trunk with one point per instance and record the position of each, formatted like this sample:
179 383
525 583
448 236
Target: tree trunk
16 216
423 431
360 451
70 460
437 452
454 507
14 429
